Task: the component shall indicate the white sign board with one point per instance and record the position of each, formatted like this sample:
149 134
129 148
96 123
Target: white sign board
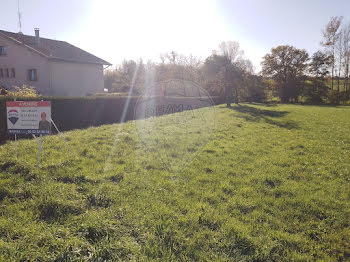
29 117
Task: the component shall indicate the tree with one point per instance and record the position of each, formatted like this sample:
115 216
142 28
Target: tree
120 79
226 69
319 64
286 65
318 68
254 89
346 50
178 66
216 69
225 73
230 50
339 46
330 38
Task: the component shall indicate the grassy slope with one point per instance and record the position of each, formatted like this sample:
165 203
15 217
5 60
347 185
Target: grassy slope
273 184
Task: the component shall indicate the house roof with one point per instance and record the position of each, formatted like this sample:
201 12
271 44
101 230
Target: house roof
54 49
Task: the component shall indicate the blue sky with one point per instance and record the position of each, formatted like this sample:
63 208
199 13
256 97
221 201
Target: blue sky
115 30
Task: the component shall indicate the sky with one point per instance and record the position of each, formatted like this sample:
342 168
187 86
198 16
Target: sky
130 29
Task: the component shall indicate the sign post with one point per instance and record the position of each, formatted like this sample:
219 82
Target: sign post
29 117
16 146
40 148
62 137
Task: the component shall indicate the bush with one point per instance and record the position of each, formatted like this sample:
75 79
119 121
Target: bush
82 112
24 91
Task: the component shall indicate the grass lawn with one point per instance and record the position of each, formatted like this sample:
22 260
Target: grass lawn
269 183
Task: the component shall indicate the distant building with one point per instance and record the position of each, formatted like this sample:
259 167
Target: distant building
53 67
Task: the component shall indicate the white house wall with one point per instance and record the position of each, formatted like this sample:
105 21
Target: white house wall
22 59
75 79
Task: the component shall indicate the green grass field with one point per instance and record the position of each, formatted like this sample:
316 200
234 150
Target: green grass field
270 183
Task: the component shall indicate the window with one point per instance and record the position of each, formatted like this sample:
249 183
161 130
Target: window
3 50
7 73
13 73
32 75
1 73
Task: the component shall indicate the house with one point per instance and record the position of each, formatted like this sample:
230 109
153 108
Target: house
52 67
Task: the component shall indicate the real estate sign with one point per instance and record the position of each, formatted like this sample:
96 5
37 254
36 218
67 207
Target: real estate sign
29 117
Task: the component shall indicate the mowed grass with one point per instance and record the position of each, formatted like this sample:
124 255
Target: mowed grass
271 183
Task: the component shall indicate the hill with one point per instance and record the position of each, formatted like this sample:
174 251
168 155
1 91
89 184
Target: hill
266 182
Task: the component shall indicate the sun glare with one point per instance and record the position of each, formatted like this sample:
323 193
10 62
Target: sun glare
147 29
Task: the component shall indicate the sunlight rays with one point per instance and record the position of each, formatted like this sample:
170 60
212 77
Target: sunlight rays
122 120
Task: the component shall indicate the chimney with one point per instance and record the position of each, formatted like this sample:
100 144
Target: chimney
37 36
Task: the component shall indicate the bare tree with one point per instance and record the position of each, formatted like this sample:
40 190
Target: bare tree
330 38
231 50
233 54
346 53
179 66
339 46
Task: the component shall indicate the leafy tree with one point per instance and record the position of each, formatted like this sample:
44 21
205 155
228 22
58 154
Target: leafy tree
227 71
319 64
119 80
254 89
216 69
317 90
286 65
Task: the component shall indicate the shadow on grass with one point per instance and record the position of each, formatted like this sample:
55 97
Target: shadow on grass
267 104
253 114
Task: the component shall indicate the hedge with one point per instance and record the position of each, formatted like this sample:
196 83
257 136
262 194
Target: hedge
83 112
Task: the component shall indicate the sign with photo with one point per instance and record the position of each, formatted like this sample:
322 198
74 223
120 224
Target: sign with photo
29 117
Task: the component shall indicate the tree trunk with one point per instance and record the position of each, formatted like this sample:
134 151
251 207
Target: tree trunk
227 96
236 95
339 76
347 77
333 62
228 102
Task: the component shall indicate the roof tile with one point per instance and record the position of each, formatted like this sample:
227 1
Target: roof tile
54 49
